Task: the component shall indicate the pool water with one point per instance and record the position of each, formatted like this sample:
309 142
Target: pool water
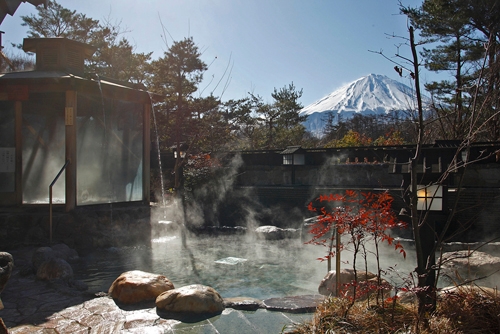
235 265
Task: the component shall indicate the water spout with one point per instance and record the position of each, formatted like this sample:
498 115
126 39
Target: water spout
106 145
159 157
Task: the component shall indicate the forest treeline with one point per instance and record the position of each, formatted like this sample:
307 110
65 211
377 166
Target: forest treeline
459 38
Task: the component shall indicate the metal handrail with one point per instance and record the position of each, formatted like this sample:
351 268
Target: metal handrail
50 195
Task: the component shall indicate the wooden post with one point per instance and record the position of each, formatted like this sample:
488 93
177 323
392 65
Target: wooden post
146 152
337 263
70 121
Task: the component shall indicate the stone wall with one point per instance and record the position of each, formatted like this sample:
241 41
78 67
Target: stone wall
84 229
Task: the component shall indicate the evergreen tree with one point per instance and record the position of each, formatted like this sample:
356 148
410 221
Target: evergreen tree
466 34
484 16
176 76
281 119
446 23
288 106
114 58
239 115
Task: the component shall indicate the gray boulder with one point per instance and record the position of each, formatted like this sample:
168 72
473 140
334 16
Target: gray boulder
328 285
269 232
466 264
243 303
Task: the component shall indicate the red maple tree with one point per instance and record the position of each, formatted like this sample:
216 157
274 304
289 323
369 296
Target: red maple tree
363 217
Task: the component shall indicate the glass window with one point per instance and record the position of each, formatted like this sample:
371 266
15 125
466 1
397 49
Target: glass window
7 146
298 159
429 197
293 159
109 150
43 147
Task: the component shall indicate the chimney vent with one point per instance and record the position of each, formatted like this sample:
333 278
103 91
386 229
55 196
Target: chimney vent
58 54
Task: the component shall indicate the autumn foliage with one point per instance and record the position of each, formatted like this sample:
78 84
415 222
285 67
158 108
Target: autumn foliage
367 215
362 217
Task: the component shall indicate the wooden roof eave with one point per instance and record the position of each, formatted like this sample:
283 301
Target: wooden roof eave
61 83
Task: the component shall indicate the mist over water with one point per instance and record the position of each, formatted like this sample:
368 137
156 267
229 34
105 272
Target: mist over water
239 264
264 268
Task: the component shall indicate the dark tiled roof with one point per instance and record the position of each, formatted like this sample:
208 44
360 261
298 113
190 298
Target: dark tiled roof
292 150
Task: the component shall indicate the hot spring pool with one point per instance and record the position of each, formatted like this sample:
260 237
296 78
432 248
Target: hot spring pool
235 265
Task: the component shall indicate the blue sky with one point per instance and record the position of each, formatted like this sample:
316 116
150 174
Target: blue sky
319 45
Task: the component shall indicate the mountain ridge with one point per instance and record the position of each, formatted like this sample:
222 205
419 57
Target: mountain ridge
373 94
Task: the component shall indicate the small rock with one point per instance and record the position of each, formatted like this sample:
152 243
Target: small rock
294 304
243 303
139 286
196 298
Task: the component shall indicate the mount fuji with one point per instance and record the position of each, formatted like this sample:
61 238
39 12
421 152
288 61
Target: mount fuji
371 95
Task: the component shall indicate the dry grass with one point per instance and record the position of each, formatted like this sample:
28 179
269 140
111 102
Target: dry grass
463 310
469 309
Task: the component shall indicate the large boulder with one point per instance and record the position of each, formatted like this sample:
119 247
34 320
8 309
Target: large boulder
468 264
59 251
41 255
54 269
138 286
6 266
64 252
366 281
193 299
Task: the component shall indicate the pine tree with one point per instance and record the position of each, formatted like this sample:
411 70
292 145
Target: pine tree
114 58
176 76
281 120
444 22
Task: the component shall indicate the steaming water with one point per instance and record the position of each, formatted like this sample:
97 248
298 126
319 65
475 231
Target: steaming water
233 265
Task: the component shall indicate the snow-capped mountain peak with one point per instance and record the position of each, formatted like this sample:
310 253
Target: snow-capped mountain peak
373 94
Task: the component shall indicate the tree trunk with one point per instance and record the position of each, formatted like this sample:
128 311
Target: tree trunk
423 231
